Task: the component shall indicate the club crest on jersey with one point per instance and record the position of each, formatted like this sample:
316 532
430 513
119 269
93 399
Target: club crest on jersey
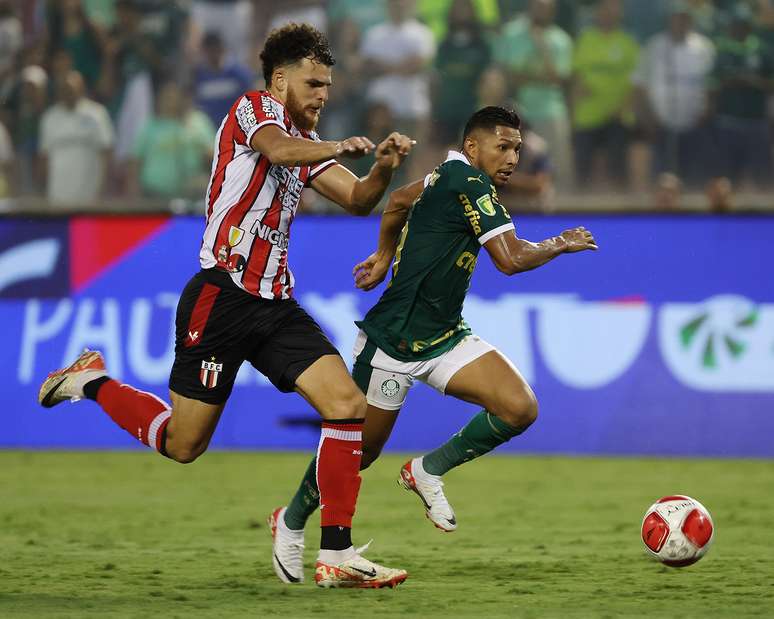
235 235
390 387
236 263
210 372
485 204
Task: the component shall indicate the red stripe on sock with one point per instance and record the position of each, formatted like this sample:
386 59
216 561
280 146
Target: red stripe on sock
132 409
338 475
200 314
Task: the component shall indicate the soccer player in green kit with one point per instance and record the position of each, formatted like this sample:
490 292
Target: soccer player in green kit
434 229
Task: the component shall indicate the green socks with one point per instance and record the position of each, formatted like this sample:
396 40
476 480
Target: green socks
481 435
305 501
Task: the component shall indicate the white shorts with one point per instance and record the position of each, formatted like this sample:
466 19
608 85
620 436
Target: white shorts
386 381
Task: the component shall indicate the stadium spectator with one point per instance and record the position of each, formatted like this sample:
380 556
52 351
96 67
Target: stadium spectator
668 193
310 12
167 23
173 151
538 57
6 165
436 13
11 41
23 112
218 82
531 185
764 19
70 30
60 65
376 123
743 80
102 13
705 15
363 15
672 95
75 139
131 58
345 102
233 20
643 20
396 54
462 55
605 57
568 12
720 195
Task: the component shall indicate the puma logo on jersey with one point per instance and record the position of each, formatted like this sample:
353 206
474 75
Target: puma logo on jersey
476 178
193 335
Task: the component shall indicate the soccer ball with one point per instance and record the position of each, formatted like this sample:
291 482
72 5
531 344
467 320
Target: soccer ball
677 530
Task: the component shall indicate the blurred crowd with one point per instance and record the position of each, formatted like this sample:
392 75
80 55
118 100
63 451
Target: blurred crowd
104 101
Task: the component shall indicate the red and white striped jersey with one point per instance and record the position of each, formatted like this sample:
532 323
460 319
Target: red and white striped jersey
251 203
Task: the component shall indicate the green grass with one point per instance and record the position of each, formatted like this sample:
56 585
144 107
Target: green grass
130 534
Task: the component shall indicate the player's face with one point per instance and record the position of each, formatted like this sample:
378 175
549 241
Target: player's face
307 84
497 152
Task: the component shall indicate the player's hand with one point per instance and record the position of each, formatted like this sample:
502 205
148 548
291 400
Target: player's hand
578 239
371 272
393 150
354 147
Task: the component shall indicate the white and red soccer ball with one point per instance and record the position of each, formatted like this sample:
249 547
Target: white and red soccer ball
677 530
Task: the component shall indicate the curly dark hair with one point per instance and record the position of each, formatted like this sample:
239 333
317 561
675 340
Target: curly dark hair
491 117
292 43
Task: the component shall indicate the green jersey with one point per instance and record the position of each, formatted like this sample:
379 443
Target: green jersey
419 316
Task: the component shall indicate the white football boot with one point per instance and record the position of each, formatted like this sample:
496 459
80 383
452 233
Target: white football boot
67 384
429 488
357 572
287 548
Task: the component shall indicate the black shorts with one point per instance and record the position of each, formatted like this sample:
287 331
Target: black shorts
218 326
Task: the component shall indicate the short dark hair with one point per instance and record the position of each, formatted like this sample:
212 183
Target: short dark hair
491 117
292 43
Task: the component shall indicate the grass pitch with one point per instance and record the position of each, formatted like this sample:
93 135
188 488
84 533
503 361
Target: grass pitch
132 535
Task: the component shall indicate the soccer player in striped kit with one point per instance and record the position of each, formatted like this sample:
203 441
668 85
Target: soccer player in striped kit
239 306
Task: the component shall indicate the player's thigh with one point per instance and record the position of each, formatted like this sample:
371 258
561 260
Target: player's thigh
493 382
376 430
190 427
208 355
328 387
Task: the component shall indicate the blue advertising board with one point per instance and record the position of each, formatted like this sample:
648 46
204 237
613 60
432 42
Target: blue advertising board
662 342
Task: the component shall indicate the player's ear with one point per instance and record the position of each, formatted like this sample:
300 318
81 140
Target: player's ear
470 147
279 79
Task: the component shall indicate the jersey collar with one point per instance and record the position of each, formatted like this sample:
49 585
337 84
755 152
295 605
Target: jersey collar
455 155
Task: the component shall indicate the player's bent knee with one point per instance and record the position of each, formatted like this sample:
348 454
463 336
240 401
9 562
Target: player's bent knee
519 410
185 454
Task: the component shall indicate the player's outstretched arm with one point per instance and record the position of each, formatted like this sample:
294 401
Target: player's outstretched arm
372 271
359 196
511 254
285 150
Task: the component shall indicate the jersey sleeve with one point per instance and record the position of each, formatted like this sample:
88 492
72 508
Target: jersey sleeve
318 168
255 111
478 204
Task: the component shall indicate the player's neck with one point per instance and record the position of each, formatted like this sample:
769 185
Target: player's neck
279 96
